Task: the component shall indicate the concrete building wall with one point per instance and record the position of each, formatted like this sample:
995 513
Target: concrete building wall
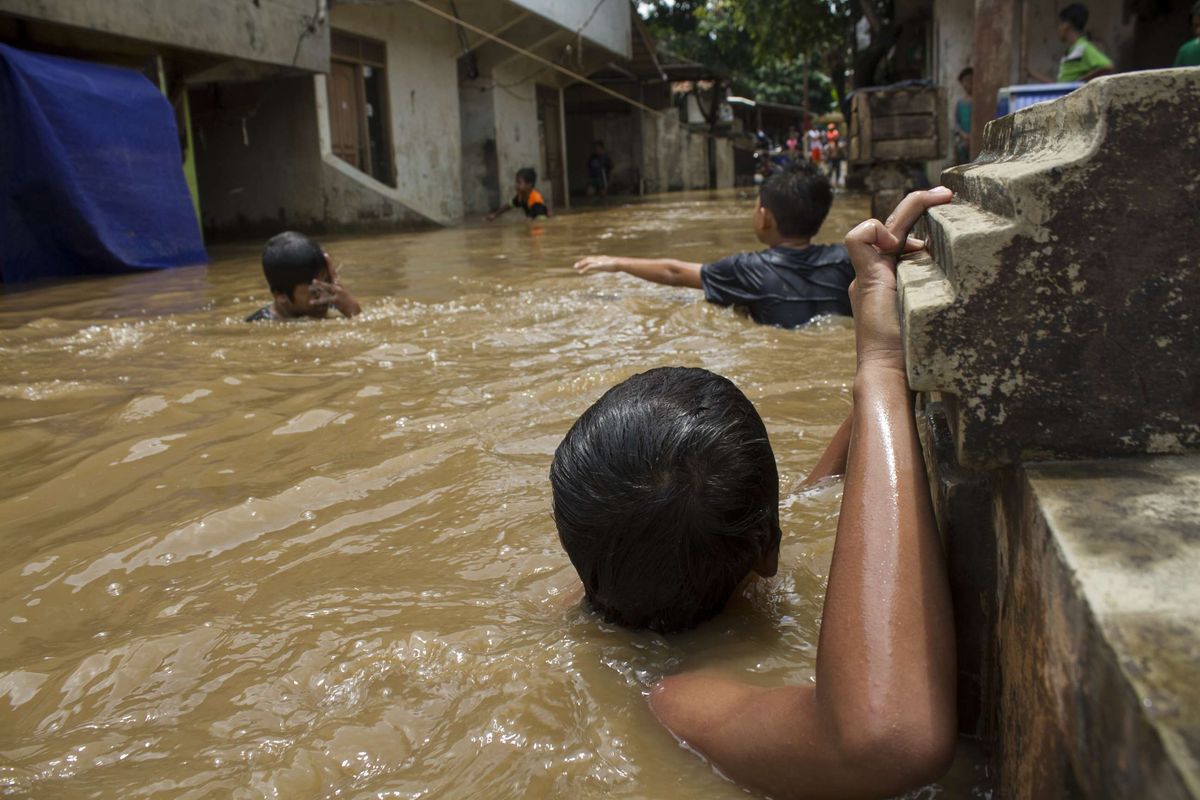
258 160
276 33
422 78
1107 23
481 178
674 157
953 43
608 24
515 108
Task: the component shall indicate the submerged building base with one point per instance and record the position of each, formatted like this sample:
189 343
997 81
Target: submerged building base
1099 629
1037 335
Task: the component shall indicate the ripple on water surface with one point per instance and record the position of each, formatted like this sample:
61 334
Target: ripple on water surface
317 559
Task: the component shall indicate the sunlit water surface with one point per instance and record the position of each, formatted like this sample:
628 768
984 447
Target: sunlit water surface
317 559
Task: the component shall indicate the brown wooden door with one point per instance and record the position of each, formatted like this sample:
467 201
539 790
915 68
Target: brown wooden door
344 111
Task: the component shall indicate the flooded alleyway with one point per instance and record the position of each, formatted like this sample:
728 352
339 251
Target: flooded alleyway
317 559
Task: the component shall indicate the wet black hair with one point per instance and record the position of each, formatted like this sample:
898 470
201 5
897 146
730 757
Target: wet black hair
1075 15
528 174
666 496
798 197
597 143
966 71
289 260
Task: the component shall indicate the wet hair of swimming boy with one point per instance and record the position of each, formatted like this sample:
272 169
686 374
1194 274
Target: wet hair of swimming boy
1075 15
528 174
799 198
289 260
666 496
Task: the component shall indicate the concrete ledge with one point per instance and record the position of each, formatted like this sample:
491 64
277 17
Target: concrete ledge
1099 629
1056 306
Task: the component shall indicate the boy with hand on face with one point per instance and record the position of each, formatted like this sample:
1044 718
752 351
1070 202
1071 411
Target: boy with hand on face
302 281
785 285
528 198
666 498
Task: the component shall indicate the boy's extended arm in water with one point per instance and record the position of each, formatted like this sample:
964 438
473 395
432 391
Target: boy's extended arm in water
880 717
667 271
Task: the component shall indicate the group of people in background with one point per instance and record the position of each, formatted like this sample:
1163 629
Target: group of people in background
823 148
1082 61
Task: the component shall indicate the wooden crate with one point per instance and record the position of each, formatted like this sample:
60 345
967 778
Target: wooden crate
906 124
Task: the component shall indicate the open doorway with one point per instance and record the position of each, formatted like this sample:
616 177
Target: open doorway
359 117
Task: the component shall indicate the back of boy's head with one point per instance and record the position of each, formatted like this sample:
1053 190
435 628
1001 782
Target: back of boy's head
798 198
1075 15
528 174
290 259
666 496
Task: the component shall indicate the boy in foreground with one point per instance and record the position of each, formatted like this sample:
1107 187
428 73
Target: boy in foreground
528 198
787 284
666 498
302 281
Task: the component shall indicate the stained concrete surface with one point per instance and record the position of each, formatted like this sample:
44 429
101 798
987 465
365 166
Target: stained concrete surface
1100 629
1055 309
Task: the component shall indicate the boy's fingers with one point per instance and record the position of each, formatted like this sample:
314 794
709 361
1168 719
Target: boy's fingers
913 206
868 240
914 245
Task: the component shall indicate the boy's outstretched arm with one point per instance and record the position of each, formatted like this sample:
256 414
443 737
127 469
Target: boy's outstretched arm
503 209
880 717
833 460
667 271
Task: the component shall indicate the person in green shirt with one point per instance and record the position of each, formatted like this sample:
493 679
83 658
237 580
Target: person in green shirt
1189 53
1083 60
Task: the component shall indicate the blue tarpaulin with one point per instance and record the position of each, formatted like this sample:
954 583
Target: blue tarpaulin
91 177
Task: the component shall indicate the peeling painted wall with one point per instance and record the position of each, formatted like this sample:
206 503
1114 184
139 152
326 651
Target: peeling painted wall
515 107
258 162
605 22
422 79
271 33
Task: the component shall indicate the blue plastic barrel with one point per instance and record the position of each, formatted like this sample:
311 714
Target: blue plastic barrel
1014 98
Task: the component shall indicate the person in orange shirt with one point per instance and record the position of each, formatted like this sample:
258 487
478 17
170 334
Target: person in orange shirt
527 197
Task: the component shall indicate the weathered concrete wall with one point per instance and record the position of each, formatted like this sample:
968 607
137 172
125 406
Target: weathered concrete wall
515 102
607 23
1099 629
283 32
675 158
1032 334
422 80
1109 25
258 160
481 179
1053 333
953 43
723 150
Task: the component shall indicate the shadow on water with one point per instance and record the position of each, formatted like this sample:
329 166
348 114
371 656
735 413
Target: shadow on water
316 558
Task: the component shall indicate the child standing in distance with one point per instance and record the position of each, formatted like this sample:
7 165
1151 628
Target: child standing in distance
302 281
528 198
786 285
666 498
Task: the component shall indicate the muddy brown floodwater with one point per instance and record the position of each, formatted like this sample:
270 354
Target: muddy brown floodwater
317 559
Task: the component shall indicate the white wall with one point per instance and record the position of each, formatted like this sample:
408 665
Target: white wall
515 109
260 32
953 43
610 27
422 81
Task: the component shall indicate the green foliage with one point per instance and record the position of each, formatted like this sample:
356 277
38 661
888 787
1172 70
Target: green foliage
762 44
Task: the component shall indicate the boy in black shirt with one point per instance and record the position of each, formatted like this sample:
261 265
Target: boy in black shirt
302 281
786 285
